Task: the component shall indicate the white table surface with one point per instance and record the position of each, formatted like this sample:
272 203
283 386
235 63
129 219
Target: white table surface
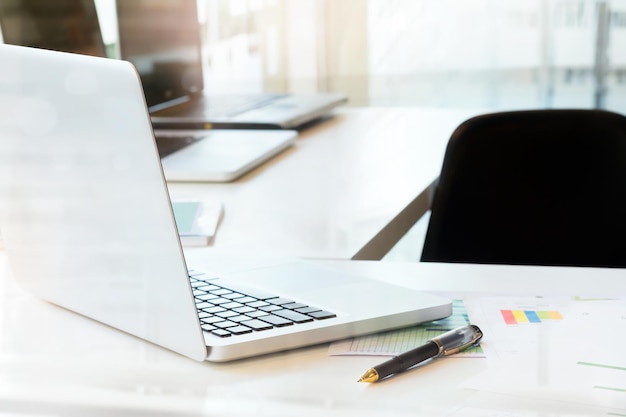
349 188
53 362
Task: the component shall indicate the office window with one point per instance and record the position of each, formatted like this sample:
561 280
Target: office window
442 53
447 53
613 69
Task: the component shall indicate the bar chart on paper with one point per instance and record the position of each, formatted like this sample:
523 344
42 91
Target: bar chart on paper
513 323
512 317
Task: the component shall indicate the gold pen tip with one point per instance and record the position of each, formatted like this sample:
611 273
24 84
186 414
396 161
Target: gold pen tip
369 376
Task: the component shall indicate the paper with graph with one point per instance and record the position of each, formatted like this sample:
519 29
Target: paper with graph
514 324
398 341
577 356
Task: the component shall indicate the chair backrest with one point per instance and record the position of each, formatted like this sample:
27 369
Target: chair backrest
539 187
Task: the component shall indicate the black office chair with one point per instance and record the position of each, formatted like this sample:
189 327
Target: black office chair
540 187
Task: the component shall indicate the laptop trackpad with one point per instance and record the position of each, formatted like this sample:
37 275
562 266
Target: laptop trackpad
295 277
324 287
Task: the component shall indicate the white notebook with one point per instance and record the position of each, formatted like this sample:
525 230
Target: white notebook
197 221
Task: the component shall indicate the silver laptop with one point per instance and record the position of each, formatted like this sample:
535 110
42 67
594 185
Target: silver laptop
203 155
163 40
87 224
218 155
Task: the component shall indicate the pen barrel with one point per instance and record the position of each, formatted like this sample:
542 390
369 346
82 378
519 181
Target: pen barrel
407 359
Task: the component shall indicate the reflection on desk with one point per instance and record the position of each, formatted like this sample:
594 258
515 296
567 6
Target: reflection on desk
53 362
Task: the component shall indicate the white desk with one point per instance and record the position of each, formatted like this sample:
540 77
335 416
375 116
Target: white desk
350 187
53 362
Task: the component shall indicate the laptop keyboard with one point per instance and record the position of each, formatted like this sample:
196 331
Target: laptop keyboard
232 310
168 144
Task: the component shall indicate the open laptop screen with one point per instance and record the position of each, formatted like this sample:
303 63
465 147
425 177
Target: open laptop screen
62 25
162 39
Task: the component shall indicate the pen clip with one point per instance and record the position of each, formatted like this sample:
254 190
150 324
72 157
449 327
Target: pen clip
476 336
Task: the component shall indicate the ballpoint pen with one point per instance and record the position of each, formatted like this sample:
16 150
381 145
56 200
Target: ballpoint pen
444 345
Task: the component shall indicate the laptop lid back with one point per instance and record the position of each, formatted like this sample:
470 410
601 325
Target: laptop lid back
162 39
60 25
86 218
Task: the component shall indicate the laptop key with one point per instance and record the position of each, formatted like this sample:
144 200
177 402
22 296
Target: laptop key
322 315
256 324
208 327
220 291
239 330
226 314
225 324
207 287
246 300
276 320
205 297
244 310
294 306
220 300
256 313
270 308
214 309
239 318
232 306
256 303
307 310
293 316
233 296
280 301
221 333
211 320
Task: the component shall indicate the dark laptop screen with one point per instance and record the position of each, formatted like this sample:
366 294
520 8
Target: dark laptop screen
162 39
62 25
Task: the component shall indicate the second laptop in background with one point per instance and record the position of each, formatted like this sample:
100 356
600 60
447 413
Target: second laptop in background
162 39
218 155
213 156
